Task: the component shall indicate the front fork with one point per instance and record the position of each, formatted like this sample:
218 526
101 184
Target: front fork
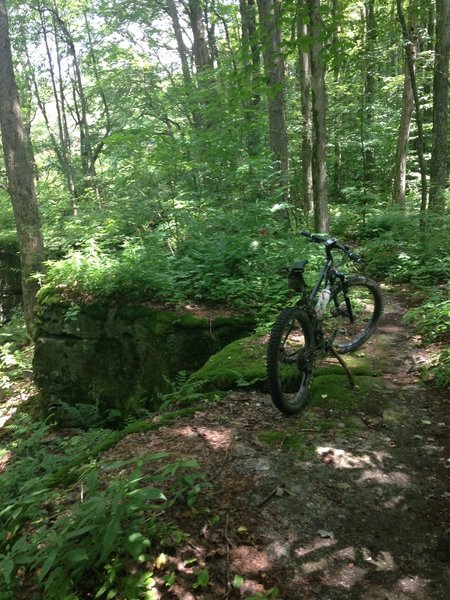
348 304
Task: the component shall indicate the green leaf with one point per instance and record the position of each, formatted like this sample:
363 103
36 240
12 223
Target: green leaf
202 578
77 555
238 582
7 568
111 532
48 564
148 494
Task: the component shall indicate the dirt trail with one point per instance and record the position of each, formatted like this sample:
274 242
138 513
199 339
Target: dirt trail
334 504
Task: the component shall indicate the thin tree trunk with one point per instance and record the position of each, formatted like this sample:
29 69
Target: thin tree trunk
399 183
304 64
200 45
87 155
251 65
319 121
270 15
182 52
399 179
420 136
439 152
19 170
369 90
337 164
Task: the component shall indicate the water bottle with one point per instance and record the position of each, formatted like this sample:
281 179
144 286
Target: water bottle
322 302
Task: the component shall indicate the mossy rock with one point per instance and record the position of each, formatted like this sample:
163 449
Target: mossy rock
240 364
121 359
333 391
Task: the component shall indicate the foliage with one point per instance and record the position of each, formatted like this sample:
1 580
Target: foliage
99 542
398 250
232 259
432 318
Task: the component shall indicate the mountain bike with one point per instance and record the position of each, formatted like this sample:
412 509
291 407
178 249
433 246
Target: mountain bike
337 315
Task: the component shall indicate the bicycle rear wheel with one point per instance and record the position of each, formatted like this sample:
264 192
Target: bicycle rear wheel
289 361
355 307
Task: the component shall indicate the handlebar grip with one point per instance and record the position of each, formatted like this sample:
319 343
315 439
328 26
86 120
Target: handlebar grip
355 257
313 237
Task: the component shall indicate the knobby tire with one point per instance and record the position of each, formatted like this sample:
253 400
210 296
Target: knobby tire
289 360
365 304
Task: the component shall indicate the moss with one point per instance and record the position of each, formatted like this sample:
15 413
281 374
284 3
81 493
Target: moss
287 442
358 363
334 392
240 364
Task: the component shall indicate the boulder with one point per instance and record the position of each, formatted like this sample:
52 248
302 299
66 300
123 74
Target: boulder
124 357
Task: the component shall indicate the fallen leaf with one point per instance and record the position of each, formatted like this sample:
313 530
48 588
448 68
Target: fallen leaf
160 561
326 534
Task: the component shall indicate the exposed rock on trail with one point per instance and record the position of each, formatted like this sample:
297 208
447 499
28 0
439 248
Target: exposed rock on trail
346 501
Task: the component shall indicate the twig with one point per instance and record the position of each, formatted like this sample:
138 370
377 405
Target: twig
221 467
346 369
269 496
227 546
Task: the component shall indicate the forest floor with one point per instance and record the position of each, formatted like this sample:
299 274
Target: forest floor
297 510
349 500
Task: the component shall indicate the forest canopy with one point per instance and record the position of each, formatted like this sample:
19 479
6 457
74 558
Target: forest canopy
177 146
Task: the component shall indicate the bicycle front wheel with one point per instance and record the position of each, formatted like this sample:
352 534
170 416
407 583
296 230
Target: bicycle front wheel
355 307
289 361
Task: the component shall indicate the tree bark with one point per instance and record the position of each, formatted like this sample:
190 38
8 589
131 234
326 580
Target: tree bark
270 15
319 121
420 135
304 67
399 179
399 183
251 65
19 170
439 152
182 52
369 89
200 45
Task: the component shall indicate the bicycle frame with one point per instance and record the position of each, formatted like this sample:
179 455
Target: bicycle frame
305 332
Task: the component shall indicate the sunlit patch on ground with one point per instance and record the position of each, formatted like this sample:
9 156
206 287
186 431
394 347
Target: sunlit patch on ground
5 457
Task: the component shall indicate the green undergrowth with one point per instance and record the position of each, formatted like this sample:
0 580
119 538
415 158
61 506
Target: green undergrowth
431 320
75 525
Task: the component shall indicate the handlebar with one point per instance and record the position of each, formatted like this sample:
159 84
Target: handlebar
331 243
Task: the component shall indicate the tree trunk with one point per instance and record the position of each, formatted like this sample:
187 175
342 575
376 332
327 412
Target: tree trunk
251 65
270 16
304 67
369 90
182 52
399 184
337 162
200 45
409 44
19 170
399 180
439 152
319 121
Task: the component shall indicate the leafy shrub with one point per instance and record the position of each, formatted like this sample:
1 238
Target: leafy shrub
61 544
432 318
396 249
231 260
439 372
